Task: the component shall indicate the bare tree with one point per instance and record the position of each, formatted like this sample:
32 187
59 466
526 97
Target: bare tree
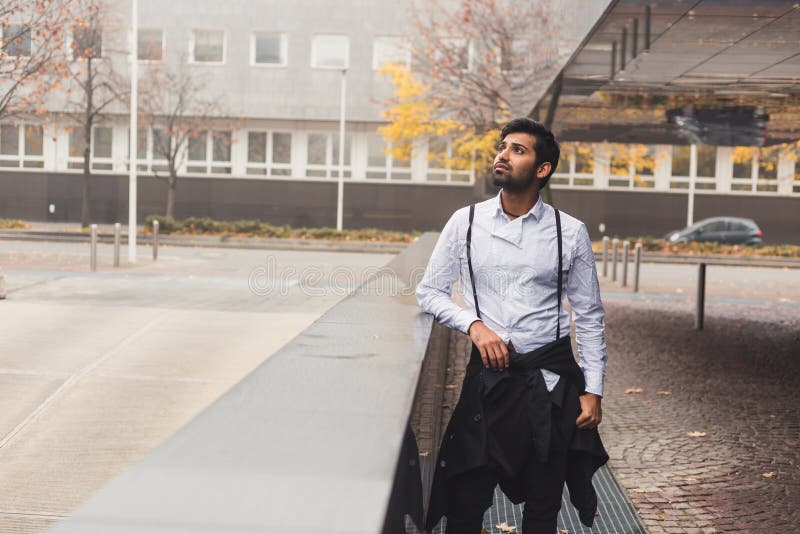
484 59
96 84
32 58
177 110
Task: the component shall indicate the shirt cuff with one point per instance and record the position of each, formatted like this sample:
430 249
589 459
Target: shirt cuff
464 319
594 382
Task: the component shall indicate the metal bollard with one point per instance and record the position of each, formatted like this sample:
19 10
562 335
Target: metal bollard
605 255
701 297
614 258
637 263
626 249
117 227
93 249
155 240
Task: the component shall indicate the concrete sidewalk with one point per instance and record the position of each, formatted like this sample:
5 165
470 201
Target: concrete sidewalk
98 368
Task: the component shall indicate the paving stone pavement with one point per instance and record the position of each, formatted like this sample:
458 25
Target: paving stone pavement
710 443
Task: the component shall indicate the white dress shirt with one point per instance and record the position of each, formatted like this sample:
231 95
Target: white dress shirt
515 264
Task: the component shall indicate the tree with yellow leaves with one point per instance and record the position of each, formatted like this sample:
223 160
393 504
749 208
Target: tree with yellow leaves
476 64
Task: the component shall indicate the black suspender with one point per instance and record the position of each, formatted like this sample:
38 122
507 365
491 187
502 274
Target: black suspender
560 266
560 273
469 260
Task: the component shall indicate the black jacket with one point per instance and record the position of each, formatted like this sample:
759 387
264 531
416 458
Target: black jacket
504 418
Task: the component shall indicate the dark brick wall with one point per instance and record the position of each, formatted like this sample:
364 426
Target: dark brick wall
401 206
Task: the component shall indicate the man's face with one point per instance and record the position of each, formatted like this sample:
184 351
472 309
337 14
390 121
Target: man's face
515 163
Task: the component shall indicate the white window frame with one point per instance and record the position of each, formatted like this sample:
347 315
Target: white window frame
163 46
75 163
314 46
70 40
389 169
192 60
284 49
470 44
449 172
268 166
21 158
329 168
398 38
30 37
209 162
147 161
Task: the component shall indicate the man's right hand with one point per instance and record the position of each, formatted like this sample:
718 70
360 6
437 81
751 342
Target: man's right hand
494 352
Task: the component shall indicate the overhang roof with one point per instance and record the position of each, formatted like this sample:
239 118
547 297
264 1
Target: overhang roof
644 57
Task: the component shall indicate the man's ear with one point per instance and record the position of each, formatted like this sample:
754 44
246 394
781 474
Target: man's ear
544 169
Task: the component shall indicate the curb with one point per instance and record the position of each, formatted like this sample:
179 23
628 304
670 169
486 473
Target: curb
258 243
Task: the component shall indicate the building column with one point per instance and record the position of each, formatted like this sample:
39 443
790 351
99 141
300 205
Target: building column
785 174
419 160
724 173
602 166
238 152
50 147
663 167
299 153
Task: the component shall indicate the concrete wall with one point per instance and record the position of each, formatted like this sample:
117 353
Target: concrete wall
402 206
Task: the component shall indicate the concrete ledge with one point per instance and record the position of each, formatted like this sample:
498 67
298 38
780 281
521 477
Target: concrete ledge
213 241
307 443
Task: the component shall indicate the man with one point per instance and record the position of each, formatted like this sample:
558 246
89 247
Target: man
528 414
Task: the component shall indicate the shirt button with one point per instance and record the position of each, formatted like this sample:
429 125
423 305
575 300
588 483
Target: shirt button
477 418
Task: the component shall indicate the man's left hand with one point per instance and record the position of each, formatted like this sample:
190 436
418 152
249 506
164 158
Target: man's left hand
591 413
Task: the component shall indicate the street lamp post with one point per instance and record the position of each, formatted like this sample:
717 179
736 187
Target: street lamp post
692 184
340 190
132 201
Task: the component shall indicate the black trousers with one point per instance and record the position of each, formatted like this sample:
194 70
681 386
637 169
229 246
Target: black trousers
470 494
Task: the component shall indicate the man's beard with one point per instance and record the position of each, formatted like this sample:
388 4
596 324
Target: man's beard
512 185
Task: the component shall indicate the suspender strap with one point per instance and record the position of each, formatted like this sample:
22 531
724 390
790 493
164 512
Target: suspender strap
560 274
560 267
469 260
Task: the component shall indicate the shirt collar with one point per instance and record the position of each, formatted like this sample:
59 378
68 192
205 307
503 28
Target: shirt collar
536 211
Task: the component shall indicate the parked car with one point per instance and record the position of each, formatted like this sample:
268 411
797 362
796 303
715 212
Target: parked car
726 230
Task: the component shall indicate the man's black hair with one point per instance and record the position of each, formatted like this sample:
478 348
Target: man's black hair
546 146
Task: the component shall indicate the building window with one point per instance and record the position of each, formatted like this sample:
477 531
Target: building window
210 152
387 50
152 147
269 48
440 162
102 139
796 181
457 52
269 153
21 146
382 164
150 45
706 167
514 55
330 51
100 152
16 40
323 155
87 41
208 46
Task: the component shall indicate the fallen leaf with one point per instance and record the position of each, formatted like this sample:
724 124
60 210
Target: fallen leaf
663 393
630 391
505 527
696 434
768 474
